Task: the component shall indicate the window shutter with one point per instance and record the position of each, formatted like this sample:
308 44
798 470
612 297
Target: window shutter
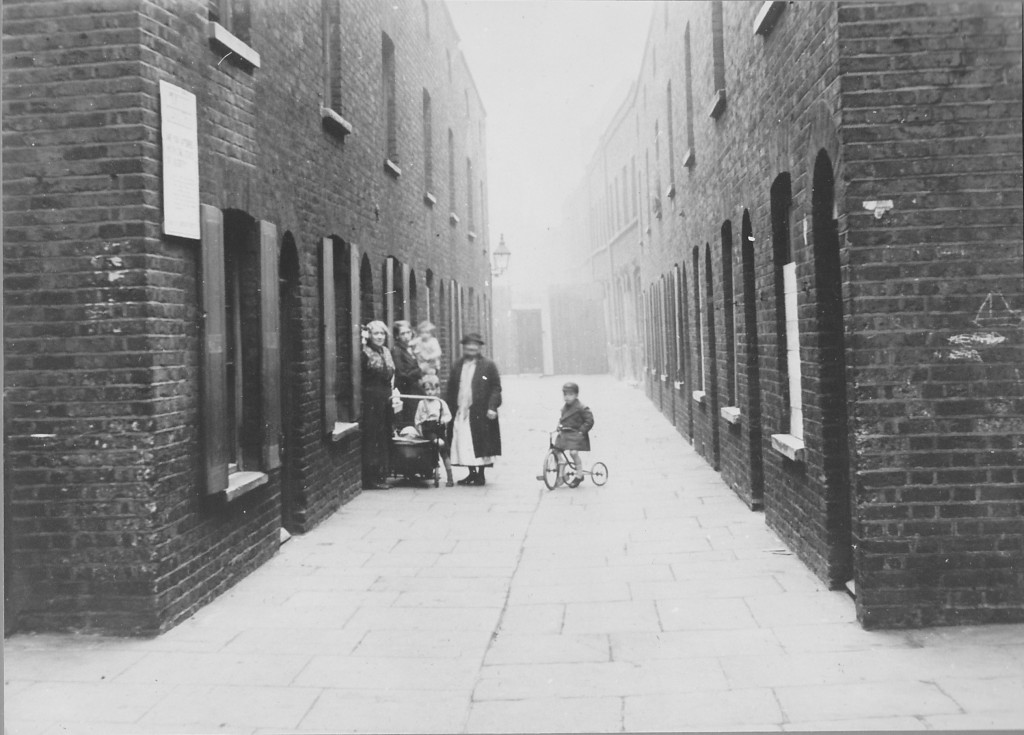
330 334
358 319
213 408
270 331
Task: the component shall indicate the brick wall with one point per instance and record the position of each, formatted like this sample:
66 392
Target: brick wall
110 526
909 321
932 122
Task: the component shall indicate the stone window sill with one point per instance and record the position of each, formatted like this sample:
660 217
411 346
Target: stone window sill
689 158
238 50
670 192
342 429
767 16
717 105
471 235
453 218
335 123
699 396
241 483
731 414
429 199
677 384
664 377
392 168
789 446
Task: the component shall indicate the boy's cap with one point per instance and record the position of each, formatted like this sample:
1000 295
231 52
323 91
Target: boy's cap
473 337
571 388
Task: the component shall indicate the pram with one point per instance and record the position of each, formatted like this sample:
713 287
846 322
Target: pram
416 457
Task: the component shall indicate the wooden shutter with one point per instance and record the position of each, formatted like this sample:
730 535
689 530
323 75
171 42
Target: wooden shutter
358 319
270 347
214 382
330 334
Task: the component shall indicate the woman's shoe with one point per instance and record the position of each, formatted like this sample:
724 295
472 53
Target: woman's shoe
468 480
450 483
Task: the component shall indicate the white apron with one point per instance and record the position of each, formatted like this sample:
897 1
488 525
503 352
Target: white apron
463 453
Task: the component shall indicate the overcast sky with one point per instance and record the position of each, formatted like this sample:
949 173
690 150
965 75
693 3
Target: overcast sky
551 74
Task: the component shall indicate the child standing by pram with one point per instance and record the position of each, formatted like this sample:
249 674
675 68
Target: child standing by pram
574 427
432 416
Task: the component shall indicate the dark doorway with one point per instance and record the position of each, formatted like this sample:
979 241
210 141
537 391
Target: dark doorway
291 349
366 307
529 341
832 369
712 357
753 367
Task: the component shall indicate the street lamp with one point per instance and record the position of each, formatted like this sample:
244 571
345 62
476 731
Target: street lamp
500 258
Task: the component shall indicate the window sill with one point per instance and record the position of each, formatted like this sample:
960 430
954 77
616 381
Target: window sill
453 218
429 199
664 377
700 396
788 446
767 16
335 123
670 192
471 235
689 158
392 168
342 430
677 384
228 41
731 414
241 483
717 105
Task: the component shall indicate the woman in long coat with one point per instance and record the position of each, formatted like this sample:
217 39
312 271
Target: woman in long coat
474 395
378 377
407 370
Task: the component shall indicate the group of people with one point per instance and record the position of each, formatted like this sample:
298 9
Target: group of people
465 422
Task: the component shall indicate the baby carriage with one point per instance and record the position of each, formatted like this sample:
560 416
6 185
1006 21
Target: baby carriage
414 457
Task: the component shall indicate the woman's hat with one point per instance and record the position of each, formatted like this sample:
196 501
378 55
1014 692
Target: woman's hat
473 337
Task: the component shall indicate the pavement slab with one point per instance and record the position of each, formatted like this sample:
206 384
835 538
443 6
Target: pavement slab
657 602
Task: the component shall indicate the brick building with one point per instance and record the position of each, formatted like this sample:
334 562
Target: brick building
178 392
807 221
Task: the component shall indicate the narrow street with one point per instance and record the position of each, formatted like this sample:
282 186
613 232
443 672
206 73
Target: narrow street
657 602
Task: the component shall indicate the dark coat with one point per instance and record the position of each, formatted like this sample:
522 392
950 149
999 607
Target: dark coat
575 423
407 381
486 397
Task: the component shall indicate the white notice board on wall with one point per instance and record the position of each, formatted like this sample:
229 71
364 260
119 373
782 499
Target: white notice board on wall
179 138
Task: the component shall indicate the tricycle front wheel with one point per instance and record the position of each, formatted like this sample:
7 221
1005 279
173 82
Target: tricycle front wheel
552 471
599 473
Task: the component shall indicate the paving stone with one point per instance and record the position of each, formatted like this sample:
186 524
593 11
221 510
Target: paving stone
423 644
706 710
533 619
682 645
70 703
984 694
384 673
863 701
801 609
424 618
874 723
390 710
239 705
512 648
695 614
610 617
240 669
550 714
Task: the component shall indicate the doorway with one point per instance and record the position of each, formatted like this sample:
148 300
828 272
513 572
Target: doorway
291 334
753 366
832 369
529 341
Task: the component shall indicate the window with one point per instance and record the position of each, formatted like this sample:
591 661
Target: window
389 86
678 304
698 322
428 147
429 301
451 176
732 392
426 17
718 60
470 213
230 26
691 156
330 108
340 294
241 419
787 319
671 142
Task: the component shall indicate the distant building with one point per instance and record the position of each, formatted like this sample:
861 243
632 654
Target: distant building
807 221
182 344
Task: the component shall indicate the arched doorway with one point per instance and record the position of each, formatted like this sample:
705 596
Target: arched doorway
832 370
367 313
751 360
290 355
712 356
413 312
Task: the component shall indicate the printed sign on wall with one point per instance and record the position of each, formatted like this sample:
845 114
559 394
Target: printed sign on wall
179 139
